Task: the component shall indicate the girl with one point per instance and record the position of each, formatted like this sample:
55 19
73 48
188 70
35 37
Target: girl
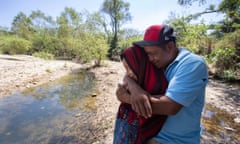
130 128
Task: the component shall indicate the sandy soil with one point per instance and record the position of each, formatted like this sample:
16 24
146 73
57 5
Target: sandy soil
19 72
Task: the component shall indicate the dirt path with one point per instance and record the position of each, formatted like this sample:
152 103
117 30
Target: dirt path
20 72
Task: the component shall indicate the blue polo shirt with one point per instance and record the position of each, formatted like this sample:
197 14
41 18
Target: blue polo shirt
187 76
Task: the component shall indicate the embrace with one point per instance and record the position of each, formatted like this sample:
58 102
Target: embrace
163 91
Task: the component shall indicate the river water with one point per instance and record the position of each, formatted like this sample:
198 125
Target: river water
49 113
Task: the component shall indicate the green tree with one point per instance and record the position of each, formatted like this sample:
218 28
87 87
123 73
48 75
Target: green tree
127 37
192 36
47 43
68 22
231 44
225 45
231 9
98 48
41 21
118 12
22 26
44 39
91 41
68 30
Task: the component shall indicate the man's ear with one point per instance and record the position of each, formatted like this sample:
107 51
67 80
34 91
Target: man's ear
170 46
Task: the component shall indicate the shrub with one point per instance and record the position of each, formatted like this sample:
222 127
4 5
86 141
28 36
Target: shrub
91 47
226 56
14 45
49 44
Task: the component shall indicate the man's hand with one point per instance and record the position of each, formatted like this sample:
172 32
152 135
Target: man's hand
123 94
139 98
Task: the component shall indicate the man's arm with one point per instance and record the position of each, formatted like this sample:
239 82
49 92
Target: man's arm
159 104
164 105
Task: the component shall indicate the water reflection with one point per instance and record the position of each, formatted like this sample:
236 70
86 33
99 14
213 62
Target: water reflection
220 124
44 113
68 91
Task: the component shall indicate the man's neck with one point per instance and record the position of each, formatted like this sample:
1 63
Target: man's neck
176 53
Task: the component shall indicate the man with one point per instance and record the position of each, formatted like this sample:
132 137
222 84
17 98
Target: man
184 98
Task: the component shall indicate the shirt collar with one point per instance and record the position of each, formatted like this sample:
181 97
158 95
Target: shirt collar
182 53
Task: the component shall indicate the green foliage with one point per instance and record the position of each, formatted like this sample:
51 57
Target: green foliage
47 44
41 22
66 47
99 49
222 47
226 56
223 57
69 17
230 40
70 36
194 37
91 47
228 75
44 55
231 7
126 38
68 22
127 42
14 45
22 26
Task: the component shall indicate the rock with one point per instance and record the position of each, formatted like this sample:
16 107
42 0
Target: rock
229 129
237 120
93 94
78 115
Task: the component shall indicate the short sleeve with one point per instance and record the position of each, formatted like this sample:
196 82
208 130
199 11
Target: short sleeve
188 82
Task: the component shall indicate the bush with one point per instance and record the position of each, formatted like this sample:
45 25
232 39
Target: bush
193 38
49 44
91 47
228 75
14 45
227 56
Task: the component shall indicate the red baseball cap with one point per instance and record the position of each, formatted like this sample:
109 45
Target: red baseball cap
156 35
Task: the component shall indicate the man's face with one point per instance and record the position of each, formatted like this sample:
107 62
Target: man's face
157 55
